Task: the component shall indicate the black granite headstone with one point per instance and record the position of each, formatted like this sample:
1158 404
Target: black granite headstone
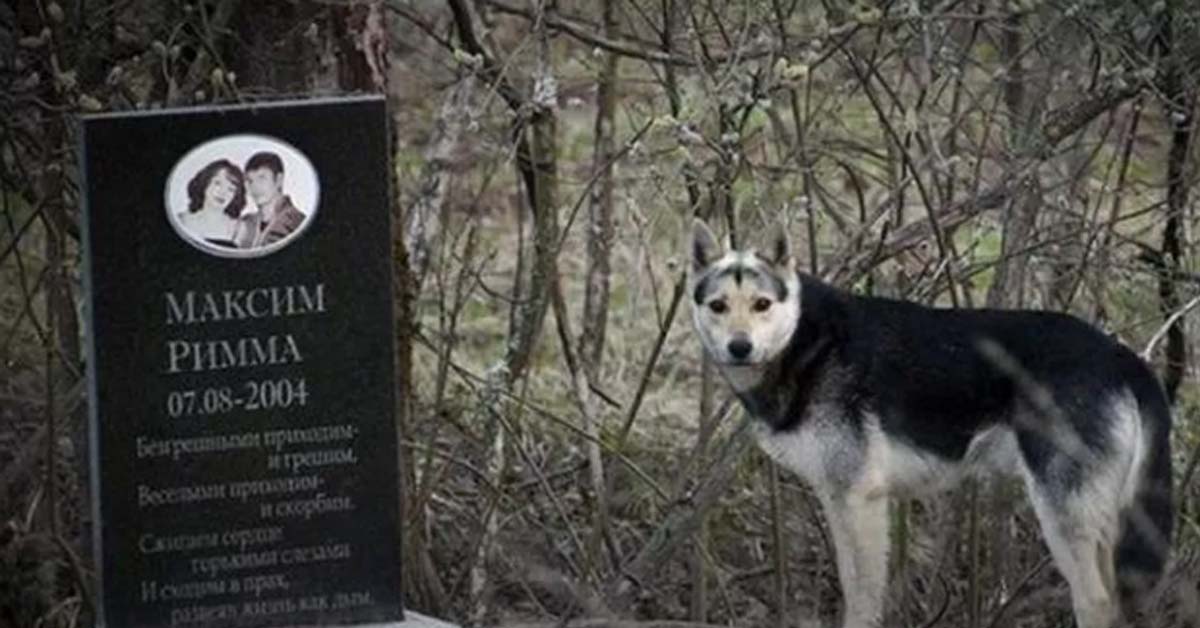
240 362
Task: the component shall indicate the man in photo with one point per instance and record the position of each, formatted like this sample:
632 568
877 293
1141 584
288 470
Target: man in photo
277 215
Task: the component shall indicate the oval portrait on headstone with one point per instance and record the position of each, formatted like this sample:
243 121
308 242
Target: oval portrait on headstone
242 195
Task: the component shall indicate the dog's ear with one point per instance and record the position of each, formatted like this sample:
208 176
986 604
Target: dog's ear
705 248
778 249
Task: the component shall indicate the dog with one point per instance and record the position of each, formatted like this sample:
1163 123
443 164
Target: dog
867 397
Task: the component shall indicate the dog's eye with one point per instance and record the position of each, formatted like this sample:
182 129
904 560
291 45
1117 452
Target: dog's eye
762 305
718 307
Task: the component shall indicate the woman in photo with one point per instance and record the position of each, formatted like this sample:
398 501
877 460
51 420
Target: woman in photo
216 200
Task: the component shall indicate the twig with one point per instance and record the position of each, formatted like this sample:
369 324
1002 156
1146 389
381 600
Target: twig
681 524
580 383
1016 592
644 382
780 553
937 617
628 49
1166 326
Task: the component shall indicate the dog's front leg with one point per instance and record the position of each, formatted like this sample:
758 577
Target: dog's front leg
858 522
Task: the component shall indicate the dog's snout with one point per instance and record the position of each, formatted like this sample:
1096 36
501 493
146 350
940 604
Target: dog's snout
739 348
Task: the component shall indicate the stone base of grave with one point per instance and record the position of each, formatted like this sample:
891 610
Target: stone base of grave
411 620
417 620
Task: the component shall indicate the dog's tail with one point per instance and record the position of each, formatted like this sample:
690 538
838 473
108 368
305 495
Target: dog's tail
1146 518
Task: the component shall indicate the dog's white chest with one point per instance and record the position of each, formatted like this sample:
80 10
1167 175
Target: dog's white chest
817 451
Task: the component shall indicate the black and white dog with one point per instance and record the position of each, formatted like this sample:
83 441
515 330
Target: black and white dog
864 397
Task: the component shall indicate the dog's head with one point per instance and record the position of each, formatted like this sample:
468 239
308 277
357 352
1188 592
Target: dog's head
745 303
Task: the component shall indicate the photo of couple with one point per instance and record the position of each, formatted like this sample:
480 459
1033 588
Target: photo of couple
233 197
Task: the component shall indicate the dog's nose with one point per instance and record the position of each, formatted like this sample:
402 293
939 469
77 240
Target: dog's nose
740 348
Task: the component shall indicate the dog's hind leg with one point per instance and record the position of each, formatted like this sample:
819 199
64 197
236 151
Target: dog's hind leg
858 523
1078 491
1082 548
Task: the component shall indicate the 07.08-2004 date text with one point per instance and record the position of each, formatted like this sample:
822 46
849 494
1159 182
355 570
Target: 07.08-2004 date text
250 396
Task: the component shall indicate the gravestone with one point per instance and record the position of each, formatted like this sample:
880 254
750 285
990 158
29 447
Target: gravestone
244 454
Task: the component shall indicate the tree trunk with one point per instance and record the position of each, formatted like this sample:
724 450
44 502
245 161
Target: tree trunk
424 219
1010 282
600 234
1180 105
537 162
271 53
600 209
